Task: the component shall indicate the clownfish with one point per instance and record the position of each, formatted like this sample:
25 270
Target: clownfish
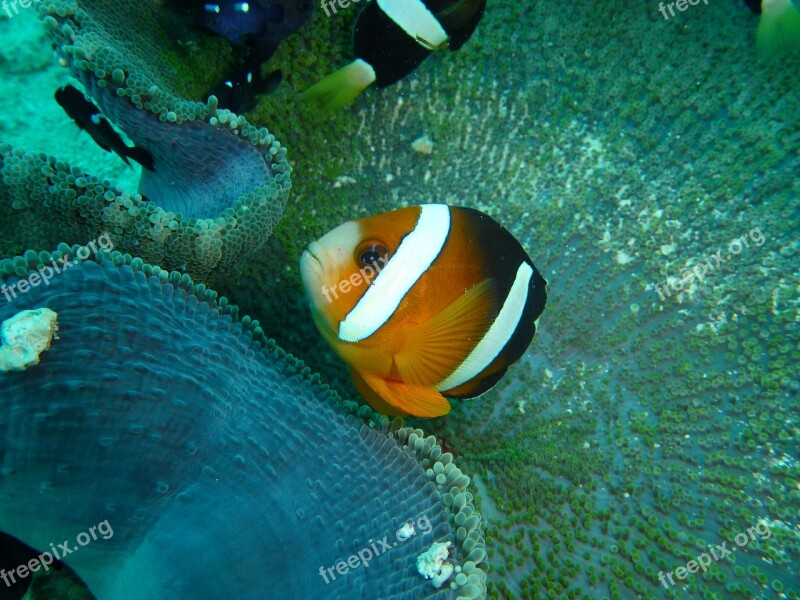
423 304
391 39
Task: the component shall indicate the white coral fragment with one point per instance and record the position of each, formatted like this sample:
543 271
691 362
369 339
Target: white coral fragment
431 564
623 258
25 336
423 145
405 532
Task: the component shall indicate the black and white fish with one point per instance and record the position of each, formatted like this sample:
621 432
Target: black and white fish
89 118
256 29
391 39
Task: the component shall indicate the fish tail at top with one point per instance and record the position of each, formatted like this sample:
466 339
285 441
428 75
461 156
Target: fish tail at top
779 30
341 87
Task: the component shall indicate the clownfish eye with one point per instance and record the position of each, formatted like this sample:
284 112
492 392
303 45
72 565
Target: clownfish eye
370 253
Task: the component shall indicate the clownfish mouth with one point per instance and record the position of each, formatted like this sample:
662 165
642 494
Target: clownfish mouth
313 256
311 265
316 252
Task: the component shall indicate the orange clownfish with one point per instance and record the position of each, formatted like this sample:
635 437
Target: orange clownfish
423 303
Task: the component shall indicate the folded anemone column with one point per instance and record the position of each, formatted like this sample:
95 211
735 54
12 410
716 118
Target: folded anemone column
222 467
219 184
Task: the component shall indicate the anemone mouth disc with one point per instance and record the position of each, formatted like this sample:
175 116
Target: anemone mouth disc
220 464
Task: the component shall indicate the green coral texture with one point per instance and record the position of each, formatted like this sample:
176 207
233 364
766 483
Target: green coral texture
622 150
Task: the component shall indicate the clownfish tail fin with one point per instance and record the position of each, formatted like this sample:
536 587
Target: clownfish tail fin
341 87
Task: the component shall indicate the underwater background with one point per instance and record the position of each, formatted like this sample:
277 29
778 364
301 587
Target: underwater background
642 427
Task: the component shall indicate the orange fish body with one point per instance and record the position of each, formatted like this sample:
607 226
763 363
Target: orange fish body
423 303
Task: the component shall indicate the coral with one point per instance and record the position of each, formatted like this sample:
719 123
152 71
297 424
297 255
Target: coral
25 336
432 564
220 463
219 186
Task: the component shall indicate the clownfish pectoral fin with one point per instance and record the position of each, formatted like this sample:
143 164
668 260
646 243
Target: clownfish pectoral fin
396 398
435 348
341 87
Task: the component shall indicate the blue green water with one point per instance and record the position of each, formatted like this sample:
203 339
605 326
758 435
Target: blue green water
641 429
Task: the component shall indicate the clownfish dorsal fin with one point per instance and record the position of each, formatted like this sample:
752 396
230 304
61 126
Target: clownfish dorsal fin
396 398
435 348
461 18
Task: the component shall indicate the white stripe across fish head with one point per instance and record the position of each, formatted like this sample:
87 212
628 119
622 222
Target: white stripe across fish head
413 17
498 335
415 254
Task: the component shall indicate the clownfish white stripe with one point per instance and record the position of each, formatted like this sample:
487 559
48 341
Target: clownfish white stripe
415 254
413 17
498 335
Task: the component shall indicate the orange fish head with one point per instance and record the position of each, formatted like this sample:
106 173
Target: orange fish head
338 268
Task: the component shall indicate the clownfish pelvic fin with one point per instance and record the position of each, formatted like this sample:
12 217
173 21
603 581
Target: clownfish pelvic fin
400 399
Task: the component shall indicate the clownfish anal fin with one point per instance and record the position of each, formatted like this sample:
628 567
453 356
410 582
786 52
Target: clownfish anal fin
373 398
396 398
476 387
435 348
